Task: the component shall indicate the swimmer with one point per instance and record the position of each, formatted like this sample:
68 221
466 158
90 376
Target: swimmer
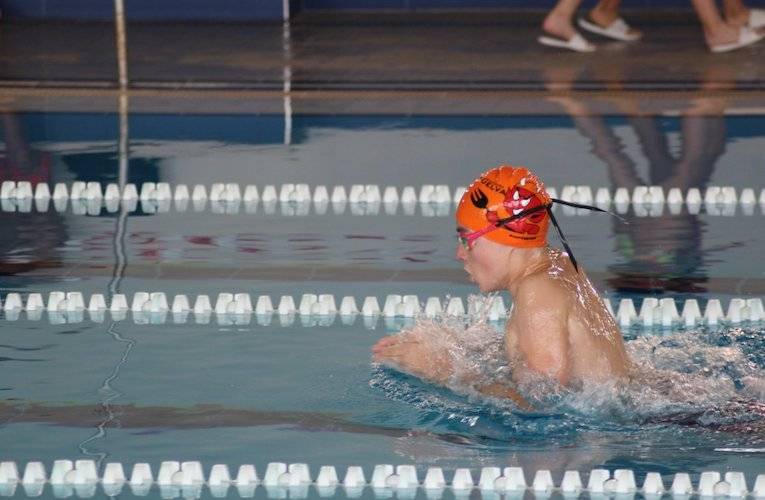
559 327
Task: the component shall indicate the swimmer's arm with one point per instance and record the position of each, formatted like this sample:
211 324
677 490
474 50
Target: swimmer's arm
501 391
542 336
408 353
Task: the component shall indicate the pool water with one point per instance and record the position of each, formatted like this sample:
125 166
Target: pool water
247 393
257 393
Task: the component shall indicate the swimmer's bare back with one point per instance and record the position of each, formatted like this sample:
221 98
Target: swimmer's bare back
561 328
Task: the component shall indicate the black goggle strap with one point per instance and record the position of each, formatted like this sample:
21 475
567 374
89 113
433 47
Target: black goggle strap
562 237
548 208
588 207
520 215
575 205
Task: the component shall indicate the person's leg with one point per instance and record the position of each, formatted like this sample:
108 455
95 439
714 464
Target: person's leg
703 139
559 21
606 12
716 30
654 145
736 13
712 23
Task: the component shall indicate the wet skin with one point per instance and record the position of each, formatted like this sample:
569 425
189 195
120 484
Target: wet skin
559 327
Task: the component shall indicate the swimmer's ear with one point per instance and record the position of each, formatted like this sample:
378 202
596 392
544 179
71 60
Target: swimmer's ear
562 238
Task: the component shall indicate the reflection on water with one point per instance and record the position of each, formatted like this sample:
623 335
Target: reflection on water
693 391
659 253
668 252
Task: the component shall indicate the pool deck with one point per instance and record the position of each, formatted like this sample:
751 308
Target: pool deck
456 63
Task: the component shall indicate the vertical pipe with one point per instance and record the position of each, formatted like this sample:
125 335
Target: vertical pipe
106 392
122 147
123 106
119 24
287 74
120 260
123 144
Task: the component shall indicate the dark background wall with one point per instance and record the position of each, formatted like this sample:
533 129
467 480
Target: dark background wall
145 10
253 10
484 4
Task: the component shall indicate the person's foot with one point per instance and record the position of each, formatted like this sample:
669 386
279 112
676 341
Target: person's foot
706 106
739 19
573 107
722 34
559 32
558 26
751 18
726 38
605 18
560 77
576 43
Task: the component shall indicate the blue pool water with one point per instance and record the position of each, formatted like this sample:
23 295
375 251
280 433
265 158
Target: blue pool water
256 393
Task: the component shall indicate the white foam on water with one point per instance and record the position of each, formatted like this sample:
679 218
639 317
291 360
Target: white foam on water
473 347
673 378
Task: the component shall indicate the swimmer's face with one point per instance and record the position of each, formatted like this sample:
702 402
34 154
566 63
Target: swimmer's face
482 261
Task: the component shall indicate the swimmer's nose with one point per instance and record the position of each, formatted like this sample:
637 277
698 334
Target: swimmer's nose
460 254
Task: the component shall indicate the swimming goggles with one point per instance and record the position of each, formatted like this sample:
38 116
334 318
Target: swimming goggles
468 239
466 242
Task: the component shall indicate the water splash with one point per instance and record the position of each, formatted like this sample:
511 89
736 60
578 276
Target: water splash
697 379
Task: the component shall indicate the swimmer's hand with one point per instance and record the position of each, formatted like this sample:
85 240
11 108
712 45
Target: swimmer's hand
502 391
410 354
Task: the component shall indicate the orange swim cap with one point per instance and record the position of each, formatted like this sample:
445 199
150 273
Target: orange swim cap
503 192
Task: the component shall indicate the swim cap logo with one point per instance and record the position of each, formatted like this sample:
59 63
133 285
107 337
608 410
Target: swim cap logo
516 200
492 185
479 199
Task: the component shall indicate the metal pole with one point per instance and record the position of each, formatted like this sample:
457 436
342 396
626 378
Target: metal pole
107 392
287 88
119 23
124 140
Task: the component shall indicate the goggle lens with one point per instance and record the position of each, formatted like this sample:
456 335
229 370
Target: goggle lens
464 241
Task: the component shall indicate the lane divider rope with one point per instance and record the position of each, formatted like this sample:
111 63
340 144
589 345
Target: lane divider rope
364 199
188 479
63 307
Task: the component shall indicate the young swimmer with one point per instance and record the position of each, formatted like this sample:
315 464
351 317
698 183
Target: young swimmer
559 327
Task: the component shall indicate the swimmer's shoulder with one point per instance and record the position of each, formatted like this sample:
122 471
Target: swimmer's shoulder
541 286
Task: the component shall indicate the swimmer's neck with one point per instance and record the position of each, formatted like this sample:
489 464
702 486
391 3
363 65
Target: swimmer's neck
523 262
